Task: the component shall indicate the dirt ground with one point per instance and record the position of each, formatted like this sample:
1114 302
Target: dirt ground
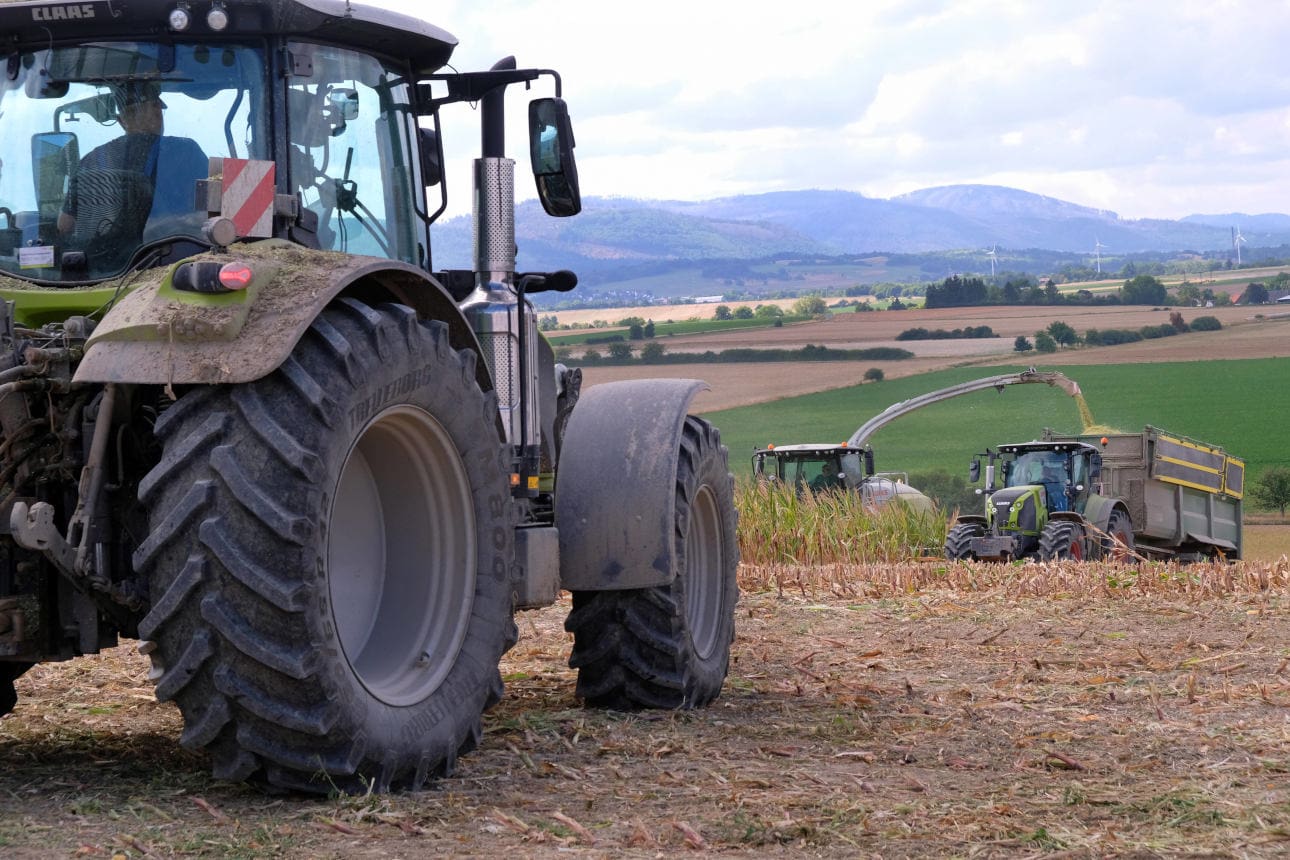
906 711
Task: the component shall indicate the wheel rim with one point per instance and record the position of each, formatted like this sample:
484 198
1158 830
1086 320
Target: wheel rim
1121 534
401 555
704 571
1077 544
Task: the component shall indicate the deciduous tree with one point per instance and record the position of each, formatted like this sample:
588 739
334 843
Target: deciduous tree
1272 489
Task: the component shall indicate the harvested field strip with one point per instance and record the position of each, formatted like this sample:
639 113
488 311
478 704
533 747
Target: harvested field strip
1052 580
983 711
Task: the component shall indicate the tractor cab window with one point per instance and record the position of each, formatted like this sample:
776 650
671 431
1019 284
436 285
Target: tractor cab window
1080 478
104 145
351 130
821 473
1043 468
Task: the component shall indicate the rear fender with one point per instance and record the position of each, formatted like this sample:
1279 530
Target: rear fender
615 490
160 335
1098 510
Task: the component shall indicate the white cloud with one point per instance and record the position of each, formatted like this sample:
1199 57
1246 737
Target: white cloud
1152 109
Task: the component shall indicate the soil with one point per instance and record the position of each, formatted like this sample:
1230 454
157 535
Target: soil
905 711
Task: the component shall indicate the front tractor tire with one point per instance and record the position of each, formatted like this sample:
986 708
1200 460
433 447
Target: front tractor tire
330 557
958 541
1062 540
669 646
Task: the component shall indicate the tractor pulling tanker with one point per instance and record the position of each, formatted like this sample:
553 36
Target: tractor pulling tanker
1091 496
244 420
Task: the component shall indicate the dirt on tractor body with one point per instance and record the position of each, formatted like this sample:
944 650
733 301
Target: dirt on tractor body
895 711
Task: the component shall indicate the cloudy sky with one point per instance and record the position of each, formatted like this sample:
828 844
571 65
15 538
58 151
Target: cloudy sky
1156 108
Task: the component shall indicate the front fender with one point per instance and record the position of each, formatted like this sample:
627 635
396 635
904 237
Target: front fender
615 489
159 335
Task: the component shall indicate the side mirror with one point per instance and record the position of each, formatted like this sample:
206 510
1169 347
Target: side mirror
431 156
101 108
551 154
344 105
974 471
54 155
1094 465
868 461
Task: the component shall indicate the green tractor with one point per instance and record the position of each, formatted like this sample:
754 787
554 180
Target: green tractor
247 421
1044 507
1147 494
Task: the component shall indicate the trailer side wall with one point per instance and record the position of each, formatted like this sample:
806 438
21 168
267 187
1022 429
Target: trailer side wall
1180 493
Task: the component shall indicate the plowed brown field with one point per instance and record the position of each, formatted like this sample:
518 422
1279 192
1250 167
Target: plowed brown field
1247 333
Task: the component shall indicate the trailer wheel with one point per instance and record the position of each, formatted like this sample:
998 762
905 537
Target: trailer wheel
330 559
1062 540
1118 543
669 646
958 542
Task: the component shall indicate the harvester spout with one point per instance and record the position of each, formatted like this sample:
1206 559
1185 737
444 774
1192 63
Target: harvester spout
1052 377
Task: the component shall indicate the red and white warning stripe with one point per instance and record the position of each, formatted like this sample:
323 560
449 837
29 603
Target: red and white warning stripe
248 196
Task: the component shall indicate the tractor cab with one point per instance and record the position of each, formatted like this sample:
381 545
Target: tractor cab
813 468
825 468
142 134
1062 472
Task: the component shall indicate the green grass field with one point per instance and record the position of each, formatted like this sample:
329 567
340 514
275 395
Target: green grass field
1240 405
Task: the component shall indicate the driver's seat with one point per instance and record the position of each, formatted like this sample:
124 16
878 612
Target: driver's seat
112 208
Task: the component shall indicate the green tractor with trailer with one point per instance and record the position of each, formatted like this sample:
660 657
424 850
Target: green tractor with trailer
246 421
1119 495
849 466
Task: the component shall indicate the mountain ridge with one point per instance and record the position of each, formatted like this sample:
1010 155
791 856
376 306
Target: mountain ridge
615 231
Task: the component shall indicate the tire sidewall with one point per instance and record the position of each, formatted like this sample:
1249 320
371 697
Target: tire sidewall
712 471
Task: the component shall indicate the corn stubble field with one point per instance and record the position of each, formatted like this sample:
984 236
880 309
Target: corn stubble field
878 705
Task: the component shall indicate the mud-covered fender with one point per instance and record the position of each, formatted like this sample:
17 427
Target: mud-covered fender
1098 511
157 334
615 490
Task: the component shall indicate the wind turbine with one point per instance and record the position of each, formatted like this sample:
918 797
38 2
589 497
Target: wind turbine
1097 250
991 255
1237 239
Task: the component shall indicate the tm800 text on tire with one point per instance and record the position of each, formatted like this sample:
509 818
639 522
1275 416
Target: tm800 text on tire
330 558
669 646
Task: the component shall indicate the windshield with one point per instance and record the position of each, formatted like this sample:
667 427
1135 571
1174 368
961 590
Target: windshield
104 144
818 471
1037 467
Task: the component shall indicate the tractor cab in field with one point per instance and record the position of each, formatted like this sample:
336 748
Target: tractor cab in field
1060 470
816 468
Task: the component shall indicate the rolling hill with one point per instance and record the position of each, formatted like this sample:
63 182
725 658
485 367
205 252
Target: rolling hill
617 240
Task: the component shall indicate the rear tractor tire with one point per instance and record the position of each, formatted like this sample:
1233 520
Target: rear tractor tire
330 558
958 542
1118 543
669 646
